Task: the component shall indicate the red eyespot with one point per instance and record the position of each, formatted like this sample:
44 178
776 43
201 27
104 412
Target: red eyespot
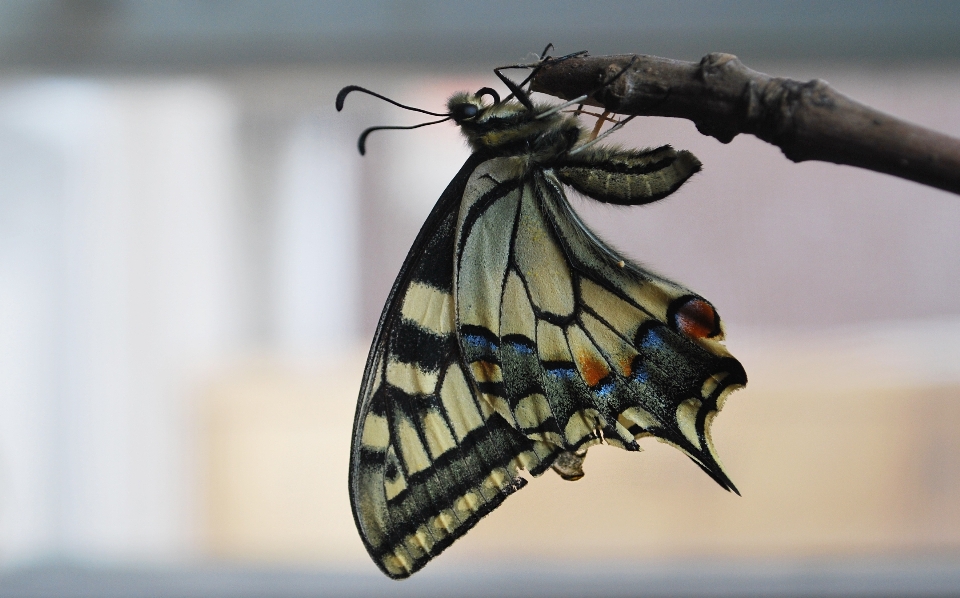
696 318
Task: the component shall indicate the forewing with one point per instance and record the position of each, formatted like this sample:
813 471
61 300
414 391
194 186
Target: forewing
428 458
573 345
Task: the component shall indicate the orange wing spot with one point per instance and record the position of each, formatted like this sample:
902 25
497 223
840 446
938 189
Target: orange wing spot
592 369
697 319
486 371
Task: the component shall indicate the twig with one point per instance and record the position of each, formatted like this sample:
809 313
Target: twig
807 121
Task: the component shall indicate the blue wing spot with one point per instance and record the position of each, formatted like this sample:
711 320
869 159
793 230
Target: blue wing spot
522 349
564 373
479 342
652 339
605 391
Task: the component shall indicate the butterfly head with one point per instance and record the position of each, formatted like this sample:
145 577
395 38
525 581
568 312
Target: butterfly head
509 127
465 107
504 126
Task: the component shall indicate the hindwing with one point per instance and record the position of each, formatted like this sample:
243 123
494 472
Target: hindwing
569 342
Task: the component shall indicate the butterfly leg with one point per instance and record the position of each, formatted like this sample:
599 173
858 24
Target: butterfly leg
516 90
605 117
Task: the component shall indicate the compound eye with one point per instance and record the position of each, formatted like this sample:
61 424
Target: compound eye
464 112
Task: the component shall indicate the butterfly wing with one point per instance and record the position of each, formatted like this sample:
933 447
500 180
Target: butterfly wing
428 458
572 345
514 338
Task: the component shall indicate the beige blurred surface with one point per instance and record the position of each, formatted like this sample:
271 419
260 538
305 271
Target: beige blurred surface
277 439
842 444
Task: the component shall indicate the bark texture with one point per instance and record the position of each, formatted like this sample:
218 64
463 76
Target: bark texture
806 120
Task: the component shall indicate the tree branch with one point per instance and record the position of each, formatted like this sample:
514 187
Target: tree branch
807 121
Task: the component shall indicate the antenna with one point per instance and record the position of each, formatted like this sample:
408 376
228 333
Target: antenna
362 142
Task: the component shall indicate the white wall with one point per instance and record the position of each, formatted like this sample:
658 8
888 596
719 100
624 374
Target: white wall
315 284
121 250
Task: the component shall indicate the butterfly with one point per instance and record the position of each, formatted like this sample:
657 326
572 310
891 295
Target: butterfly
514 338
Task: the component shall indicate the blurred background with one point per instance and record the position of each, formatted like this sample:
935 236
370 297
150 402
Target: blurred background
193 258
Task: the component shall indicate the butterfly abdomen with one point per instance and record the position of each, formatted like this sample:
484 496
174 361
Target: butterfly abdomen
627 177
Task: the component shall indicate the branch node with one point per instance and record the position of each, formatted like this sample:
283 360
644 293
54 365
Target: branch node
717 63
716 129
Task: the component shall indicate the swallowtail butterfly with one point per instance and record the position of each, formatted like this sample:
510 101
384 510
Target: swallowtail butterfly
515 339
